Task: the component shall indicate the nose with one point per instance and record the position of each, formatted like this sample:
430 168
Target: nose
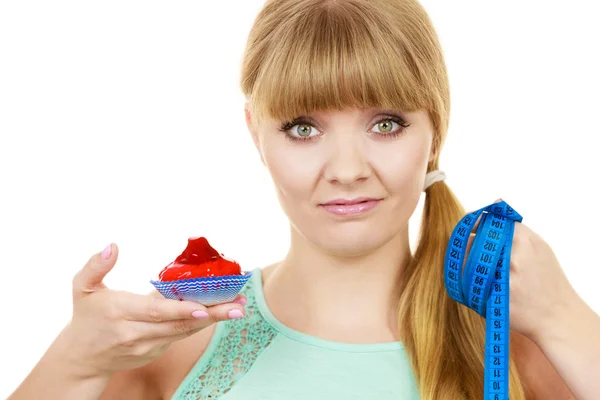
347 163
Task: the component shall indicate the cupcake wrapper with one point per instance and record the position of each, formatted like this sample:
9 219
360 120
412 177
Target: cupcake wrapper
206 291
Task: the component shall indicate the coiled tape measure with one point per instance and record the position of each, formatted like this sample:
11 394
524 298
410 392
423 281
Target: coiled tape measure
483 285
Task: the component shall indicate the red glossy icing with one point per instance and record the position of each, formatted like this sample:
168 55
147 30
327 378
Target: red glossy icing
199 260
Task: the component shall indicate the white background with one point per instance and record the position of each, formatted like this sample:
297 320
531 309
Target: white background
122 121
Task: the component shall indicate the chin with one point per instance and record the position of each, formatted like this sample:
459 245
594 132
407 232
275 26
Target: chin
348 241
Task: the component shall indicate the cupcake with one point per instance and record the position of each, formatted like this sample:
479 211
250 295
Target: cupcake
202 275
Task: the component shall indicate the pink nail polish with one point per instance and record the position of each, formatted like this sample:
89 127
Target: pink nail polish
235 314
199 314
106 252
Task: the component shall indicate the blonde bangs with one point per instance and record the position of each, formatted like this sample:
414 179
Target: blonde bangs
328 57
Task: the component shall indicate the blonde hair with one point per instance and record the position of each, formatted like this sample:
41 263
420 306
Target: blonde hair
309 55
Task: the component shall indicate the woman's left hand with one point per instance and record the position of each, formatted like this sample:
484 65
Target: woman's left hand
546 309
540 293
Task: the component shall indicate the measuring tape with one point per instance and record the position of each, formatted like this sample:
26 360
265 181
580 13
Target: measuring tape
483 285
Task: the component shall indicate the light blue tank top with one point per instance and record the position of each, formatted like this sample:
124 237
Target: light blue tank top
257 357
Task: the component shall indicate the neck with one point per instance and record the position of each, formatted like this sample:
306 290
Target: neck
351 299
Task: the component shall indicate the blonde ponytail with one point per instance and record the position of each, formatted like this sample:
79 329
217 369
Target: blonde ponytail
445 340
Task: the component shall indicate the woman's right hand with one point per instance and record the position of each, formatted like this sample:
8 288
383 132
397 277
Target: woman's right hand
116 330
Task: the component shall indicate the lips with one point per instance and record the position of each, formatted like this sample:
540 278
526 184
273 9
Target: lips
350 207
346 202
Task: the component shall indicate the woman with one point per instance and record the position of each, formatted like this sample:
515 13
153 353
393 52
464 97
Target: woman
348 105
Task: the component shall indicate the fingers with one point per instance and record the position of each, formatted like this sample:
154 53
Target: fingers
89 278
186 327
158 309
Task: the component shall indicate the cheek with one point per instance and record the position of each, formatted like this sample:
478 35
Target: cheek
401 166
294 171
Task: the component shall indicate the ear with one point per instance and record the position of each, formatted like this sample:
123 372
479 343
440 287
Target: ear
433 155
434 144
432 152
252 129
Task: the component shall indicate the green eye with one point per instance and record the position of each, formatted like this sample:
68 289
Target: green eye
304 130
299 129
385 125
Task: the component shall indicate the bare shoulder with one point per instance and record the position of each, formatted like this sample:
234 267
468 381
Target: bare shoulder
539 377
160 379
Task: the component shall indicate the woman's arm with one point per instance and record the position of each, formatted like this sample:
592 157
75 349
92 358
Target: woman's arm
541 381
58 377
545 307
571 342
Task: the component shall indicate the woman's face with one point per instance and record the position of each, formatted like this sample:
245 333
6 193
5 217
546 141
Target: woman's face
348 180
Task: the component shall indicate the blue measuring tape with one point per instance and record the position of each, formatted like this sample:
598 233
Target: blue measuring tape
483 285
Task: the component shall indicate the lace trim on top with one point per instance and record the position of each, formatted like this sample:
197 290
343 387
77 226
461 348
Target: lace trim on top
235 346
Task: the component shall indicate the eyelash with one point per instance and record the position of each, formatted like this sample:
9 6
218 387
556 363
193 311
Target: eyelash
287 125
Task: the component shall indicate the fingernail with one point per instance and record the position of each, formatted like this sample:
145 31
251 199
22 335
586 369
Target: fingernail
235 314
199 314
241 300
106 252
